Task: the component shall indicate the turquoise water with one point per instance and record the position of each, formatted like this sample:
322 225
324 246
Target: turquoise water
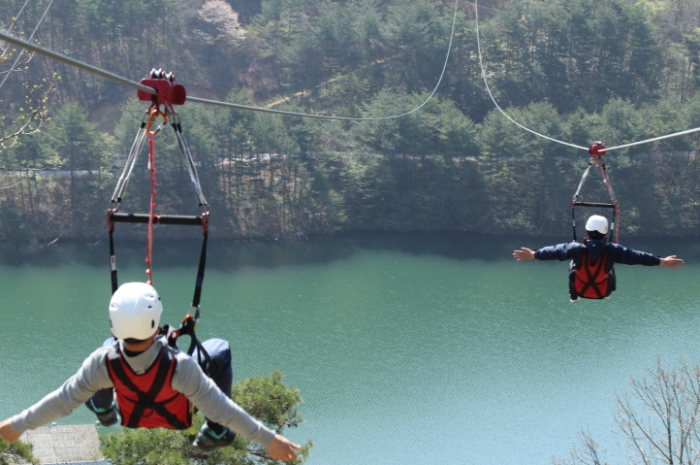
433 349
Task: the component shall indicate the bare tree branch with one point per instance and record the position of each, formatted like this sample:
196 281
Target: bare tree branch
659 417
27 113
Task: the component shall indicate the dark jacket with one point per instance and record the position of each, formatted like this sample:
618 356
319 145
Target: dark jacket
616 253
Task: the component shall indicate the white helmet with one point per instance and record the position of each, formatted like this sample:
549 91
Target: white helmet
134 311
597 223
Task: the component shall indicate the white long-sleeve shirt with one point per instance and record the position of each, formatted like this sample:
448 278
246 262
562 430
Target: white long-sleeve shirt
188 379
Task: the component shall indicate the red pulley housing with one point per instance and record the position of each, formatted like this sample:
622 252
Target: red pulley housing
166 92
597 149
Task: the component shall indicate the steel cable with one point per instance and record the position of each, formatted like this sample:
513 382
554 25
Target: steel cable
108 75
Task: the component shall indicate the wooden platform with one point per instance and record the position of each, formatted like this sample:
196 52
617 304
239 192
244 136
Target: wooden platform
74 444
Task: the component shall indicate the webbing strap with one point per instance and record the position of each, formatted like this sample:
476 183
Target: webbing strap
187 328
147 399
202 263
203 357
590 277
112 257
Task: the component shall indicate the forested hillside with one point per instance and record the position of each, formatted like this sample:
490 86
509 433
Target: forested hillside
575 70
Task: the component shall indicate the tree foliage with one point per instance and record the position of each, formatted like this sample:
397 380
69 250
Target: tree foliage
265 397
16 452
578 71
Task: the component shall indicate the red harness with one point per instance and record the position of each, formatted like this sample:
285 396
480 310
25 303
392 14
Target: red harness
148 400
592 282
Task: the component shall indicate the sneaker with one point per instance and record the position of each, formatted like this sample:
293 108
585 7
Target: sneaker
573 301
105 416
208 440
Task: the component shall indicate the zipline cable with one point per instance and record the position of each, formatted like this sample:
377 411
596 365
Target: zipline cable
631 144
655 139
127 82
19 55
483 74
107 75
76 63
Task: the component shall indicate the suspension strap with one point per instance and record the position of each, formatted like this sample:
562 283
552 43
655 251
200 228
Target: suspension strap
112 257
202 263
597 151
187 328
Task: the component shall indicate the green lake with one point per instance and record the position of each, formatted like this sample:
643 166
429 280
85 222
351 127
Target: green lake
426 349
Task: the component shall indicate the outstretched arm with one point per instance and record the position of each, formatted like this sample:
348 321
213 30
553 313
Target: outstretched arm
282 448
90 378
7 432
672 262
523 254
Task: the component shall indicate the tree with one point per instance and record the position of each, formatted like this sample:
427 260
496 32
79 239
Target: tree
659 417
418 42
74 143
267 398
511 161
574 53
26 112
16 452
278 24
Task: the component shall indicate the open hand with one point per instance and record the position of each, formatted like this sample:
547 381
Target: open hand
523 254
7 432
282 448
672 262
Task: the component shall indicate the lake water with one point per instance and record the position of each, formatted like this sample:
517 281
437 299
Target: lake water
424 349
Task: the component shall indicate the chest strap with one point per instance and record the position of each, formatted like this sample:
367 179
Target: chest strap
147 400
590 281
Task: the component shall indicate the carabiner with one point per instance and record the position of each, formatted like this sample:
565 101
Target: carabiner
155 112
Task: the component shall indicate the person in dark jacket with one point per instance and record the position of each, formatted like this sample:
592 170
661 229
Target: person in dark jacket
591 273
